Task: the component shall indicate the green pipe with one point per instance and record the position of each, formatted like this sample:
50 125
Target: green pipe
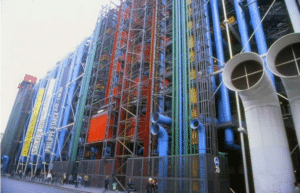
83 95
173 83
177 28
176 81
185 84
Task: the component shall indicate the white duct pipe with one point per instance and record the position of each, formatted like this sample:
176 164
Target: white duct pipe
294 13
270 155
286 49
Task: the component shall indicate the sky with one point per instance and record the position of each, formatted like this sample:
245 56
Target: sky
35 35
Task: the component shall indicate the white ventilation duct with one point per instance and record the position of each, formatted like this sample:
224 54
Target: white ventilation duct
270 155
283 60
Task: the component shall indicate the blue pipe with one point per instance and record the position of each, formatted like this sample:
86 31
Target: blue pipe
259 34
80 90
196 124
58 70
163 139
68 104
210 68
52 104
51 76
66 80
255 20
57 148
163 148
243 28
229 140
224 110
59 100
161 119
207 120
224 104
5 163
91 47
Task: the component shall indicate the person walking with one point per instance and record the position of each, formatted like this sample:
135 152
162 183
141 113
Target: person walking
20 174
53 181
76 180
149 186
70 179
154 186
106 183
86 179
297 187
130 186
49 177
79 178
64 178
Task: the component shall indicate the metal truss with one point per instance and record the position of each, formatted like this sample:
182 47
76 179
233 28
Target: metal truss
99 79
127 91
162 71
204 106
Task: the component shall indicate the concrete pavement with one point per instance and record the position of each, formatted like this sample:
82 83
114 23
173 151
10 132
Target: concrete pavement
15 185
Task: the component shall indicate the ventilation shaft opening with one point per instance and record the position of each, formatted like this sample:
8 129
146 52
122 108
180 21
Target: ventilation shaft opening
287 61
246 74
155 117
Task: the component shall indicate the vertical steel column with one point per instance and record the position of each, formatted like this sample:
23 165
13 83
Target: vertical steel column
55 116
223 102
52 75
210 68
60 133
67 104
83 96
59 72
259 33
243 29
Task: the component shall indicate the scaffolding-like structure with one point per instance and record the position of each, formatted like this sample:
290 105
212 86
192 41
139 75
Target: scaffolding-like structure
100 79
131 121
146 58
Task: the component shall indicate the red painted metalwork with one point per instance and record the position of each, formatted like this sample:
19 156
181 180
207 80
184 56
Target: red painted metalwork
113 56
29 78
145 133
97 128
